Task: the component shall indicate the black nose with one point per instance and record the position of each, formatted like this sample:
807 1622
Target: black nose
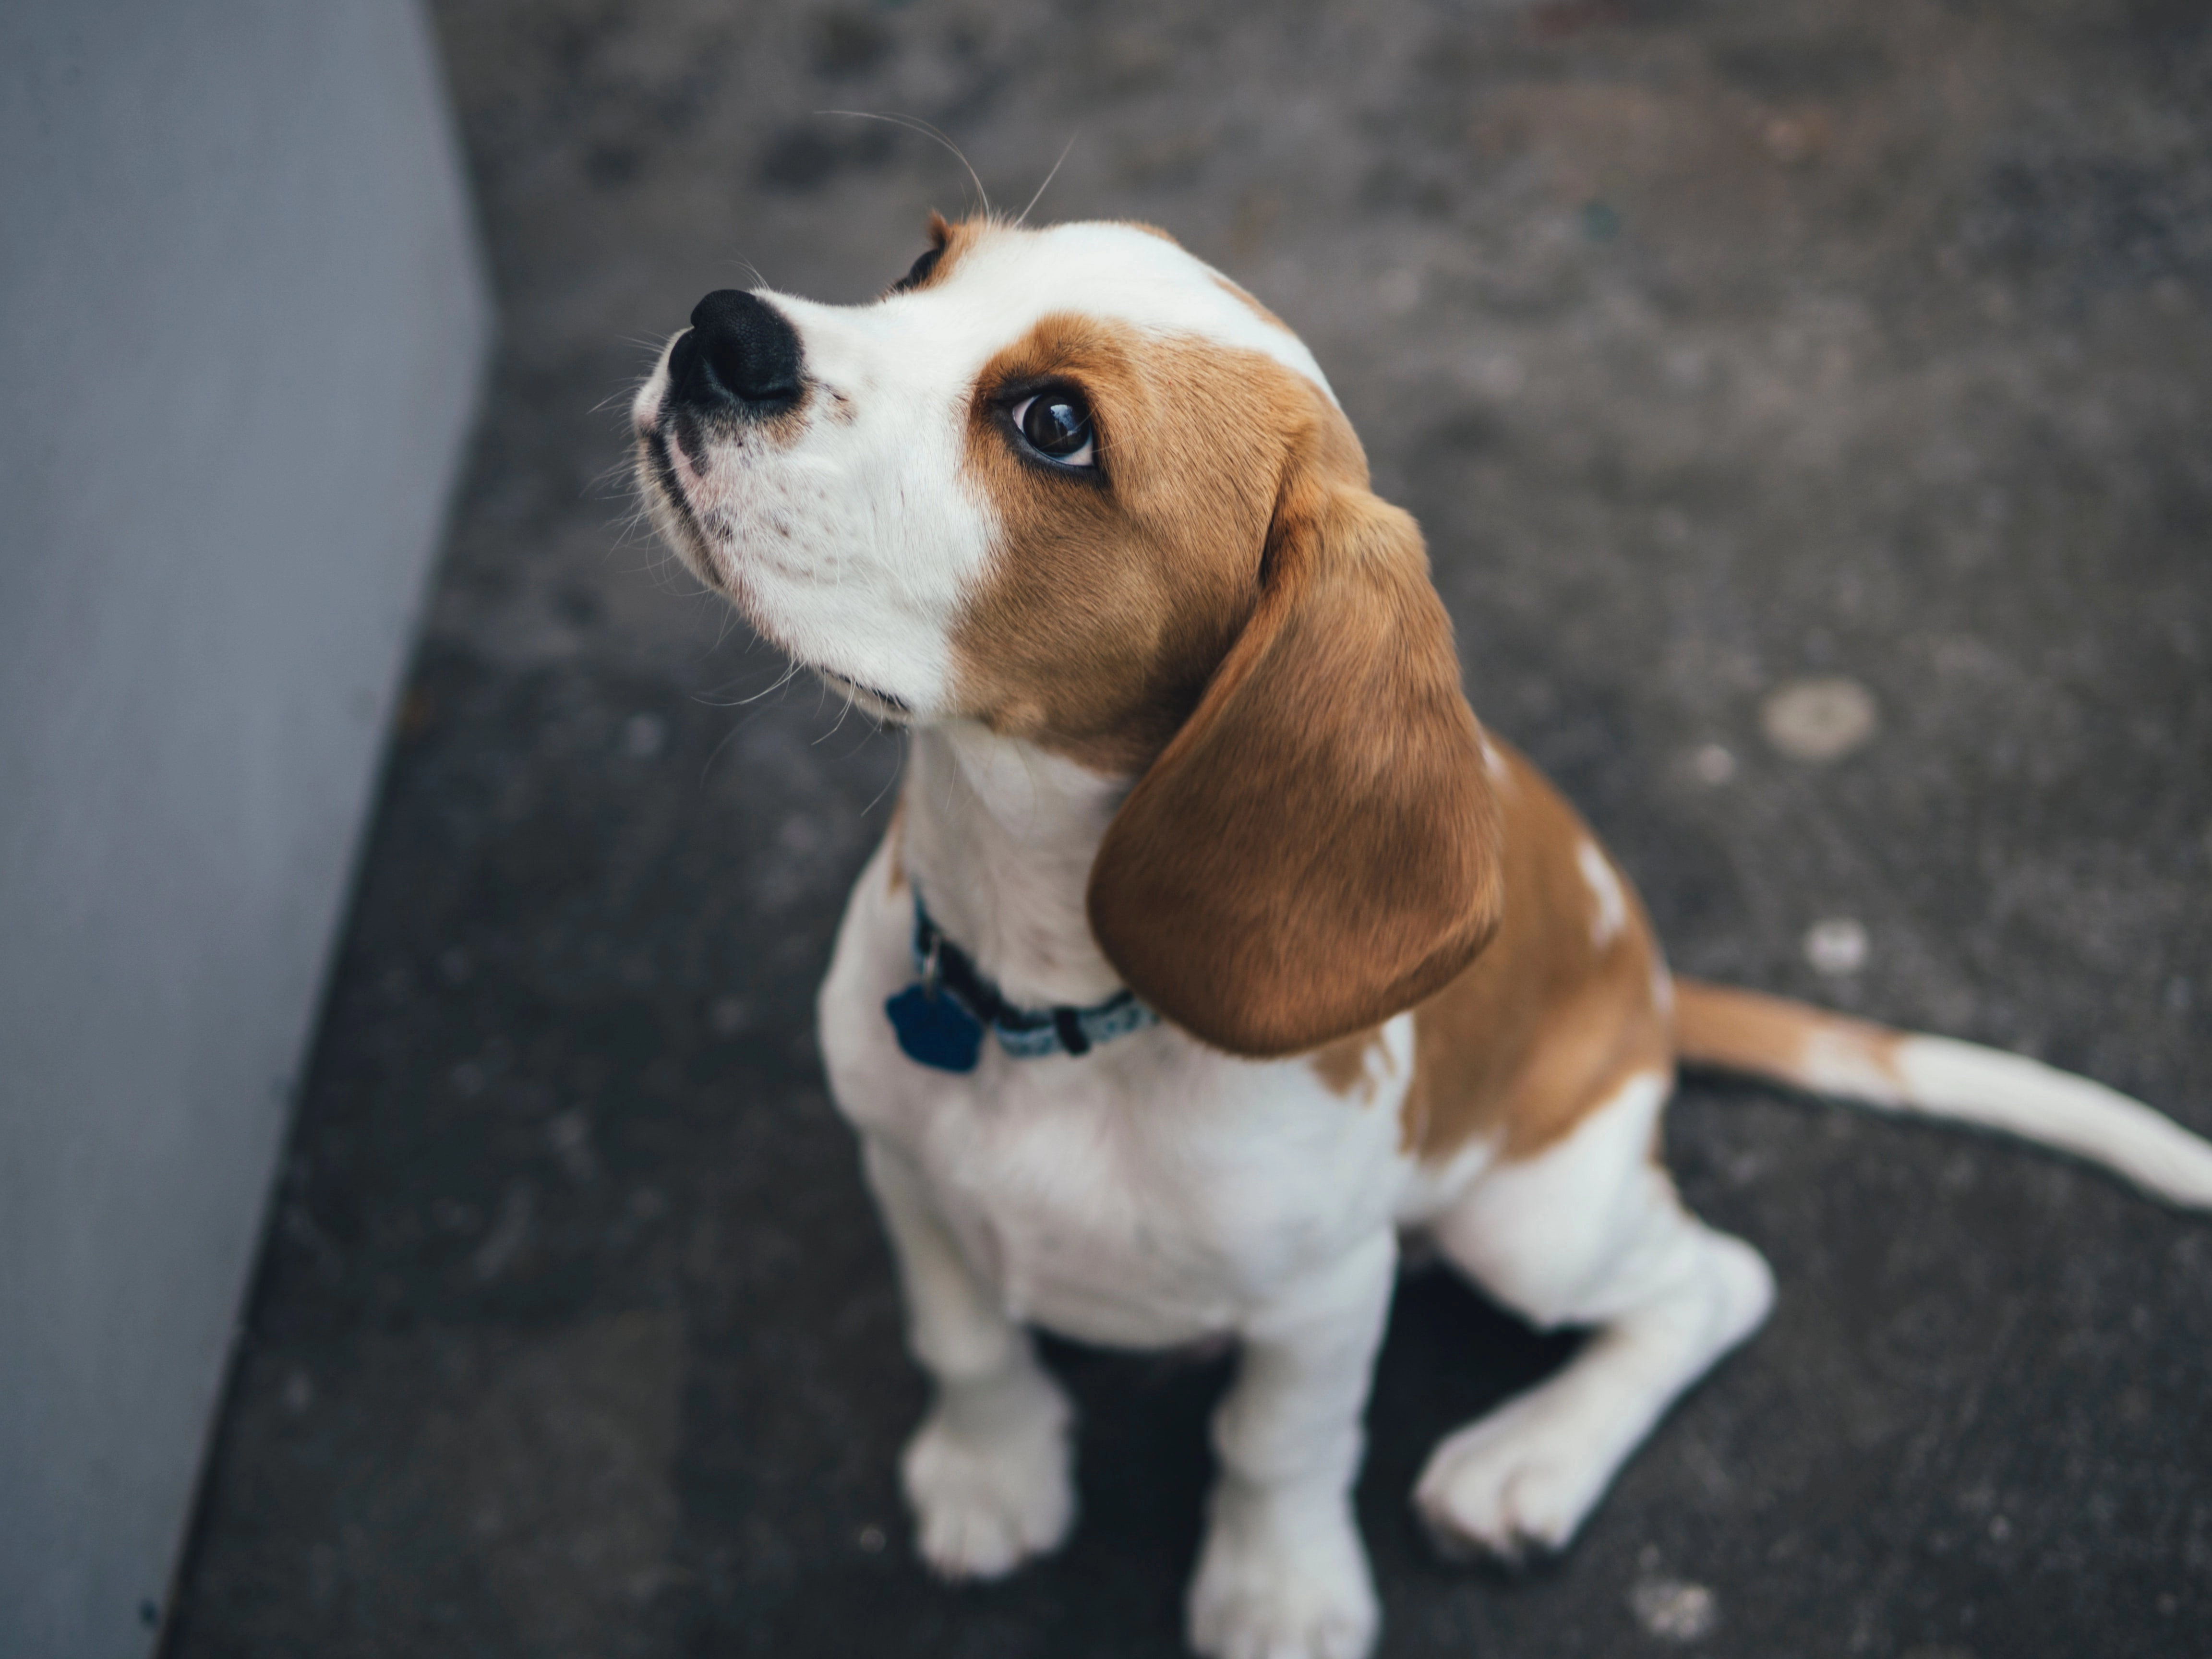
741 357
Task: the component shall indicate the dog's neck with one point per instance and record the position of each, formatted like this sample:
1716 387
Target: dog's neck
998 835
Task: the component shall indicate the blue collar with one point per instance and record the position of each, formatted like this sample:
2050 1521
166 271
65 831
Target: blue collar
940 1021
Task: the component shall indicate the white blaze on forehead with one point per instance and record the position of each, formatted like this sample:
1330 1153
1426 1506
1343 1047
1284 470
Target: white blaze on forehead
1612 912
1131 275
1004 282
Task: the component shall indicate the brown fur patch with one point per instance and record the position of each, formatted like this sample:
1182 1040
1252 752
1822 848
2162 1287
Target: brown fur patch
1545 1024
952 242
1342 1065
1773 1037
1115 594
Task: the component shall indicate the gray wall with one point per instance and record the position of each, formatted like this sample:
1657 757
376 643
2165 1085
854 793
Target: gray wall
241 329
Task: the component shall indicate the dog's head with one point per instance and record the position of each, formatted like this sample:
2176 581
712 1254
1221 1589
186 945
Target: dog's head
1074 485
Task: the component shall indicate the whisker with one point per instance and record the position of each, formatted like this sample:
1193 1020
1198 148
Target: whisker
915 124
714 754
1023 216
839 725
790 673
898 772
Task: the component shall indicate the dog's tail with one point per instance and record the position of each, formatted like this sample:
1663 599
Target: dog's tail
1824 1053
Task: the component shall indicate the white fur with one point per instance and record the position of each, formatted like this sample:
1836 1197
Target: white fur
1963 1083
1588 1232
1152 1192
2022 1096
1610 913
1839 1066
851 543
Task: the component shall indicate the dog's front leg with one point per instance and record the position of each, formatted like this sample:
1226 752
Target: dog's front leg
1282 1574
987 1471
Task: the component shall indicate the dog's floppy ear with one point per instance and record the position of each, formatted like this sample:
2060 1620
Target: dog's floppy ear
1317 847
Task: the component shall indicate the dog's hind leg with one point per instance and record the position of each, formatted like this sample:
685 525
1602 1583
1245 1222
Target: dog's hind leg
987 1472
1588 1232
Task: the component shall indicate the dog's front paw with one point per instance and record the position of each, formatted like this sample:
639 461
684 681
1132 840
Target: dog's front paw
987 1476
1514 1485
1282 1579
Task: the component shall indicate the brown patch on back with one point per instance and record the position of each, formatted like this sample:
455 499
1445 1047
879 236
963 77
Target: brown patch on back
1545 1023
1115 596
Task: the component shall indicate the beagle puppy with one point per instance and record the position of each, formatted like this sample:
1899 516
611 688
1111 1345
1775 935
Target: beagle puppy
1215 946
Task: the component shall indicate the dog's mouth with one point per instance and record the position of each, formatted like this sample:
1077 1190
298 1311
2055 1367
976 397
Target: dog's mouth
666 480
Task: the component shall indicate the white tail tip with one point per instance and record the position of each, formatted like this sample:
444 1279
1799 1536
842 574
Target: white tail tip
1973 1085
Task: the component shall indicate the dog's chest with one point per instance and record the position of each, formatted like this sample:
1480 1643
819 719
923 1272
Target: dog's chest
1149 1193
1134 1198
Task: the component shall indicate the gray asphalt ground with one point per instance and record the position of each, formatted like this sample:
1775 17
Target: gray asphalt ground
1718 346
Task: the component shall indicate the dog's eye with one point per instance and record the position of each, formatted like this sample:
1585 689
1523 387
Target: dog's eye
918 273
1057 423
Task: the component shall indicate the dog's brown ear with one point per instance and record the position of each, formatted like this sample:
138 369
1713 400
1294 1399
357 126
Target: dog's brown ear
1317 847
